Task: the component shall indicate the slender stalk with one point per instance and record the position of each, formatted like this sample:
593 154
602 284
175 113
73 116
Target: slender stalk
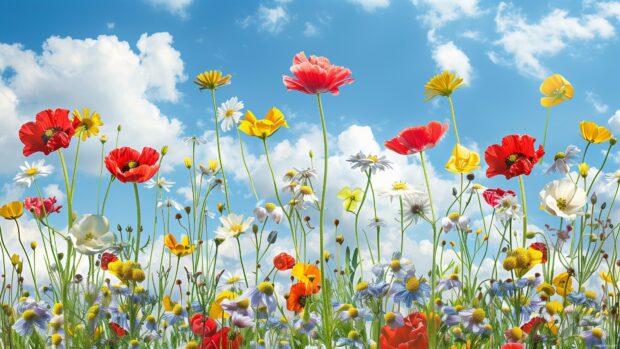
245 277
456 130
100 175
523 203
545 132
247 170
138 223
219 151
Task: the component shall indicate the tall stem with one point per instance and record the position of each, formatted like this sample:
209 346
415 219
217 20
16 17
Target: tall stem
545 131
523 203
219 152
138 224
247 170
456 130
324 293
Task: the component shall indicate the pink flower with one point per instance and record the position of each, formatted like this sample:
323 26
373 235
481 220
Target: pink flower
41 207
316 75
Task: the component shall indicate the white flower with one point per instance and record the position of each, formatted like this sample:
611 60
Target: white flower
416 205
169 203
229 113
306 194
399 190
508 208
30 171
90 234
233 225
563 198
161 183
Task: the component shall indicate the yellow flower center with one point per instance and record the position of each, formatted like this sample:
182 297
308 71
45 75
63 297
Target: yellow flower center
305 190
89 236
56 339
29 315
395 265
177 310
454 277
353 335
229 113
412 284
516 333
372 158
266 288
233 279
270 206
236 229
597 332
361 286
478 315
353 312
400 186
559 155
32 171
244 303
132 164
561 202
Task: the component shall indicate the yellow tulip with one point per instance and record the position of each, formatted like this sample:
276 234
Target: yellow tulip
351 198
556 90
462 160
263 128
594 133
211 80
216 312
181 249
12 210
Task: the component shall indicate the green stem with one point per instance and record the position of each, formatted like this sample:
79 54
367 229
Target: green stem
247 170
138 225
523 203
245 277
545 132
100 175
219 152
456 130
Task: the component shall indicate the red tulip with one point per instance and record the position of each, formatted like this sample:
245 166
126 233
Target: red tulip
128 165
514 157
202 325
316 75
283 261
412 335
51 131
413 140
492 196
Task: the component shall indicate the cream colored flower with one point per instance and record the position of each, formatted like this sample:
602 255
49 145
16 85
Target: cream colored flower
563 199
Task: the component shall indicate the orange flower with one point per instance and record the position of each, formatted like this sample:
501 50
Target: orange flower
297 297
309 275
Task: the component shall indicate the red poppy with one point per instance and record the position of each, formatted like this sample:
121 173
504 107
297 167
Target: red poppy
51 131
222 339
514 157
513 346
412 335
202 325
129 165
41 207
118 329
542 247
107 258
298 294
316 75
413 140
492 196
283 261
534 322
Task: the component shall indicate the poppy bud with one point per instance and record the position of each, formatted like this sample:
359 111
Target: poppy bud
103 139
218 241
613 140
188 209
470 177
272 237
454 191
119 128
340 239
255 229
583 169
603 205
336 222
188 163
178 216
220 207
33 245
593 198
164 150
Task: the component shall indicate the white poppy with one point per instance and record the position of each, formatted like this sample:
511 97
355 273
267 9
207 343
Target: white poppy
90 234
563 198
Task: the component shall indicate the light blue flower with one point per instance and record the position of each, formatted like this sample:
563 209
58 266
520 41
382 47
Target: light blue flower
33 315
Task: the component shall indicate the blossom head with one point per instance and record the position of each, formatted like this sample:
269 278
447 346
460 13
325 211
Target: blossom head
442 85
515 156
283 261
91 234
129 165
594 133
212 79
179 249
263 128
41 208
315 75
51 131
555 89
85 123
350 198
462 160
12 210
413 140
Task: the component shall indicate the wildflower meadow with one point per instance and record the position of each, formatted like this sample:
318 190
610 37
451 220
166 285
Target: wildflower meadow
499 276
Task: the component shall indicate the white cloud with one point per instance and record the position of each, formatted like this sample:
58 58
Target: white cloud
110 25
104 74
310 29
526 43
176 7
449 57
53 190
614 122
372 5
596 102
273 19
473 35
440 12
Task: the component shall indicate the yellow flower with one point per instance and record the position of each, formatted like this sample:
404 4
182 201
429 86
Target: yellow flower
263 128
351 198
181 249
216 311
442 85
556 90
594 133
126 271
12 210
88 123
462 160
583 169
211 80
525 260
187 161
563 284
606 277
554 307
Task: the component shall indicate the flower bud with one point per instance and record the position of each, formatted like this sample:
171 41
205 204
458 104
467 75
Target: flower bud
188 162
33 245
613 140
593 198
103 139
164 150
583 169
340 239
272 237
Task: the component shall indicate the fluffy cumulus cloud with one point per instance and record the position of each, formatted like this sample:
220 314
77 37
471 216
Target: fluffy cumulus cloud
449 57
439 12
526 43
273 19
372 5
103 73
614 122
176 7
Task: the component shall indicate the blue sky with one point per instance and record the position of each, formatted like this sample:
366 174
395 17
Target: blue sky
392 47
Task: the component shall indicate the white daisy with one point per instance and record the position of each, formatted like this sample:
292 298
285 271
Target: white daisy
416 205
161 183
399 190
229 113
30 171
306 194
169 203
233 225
